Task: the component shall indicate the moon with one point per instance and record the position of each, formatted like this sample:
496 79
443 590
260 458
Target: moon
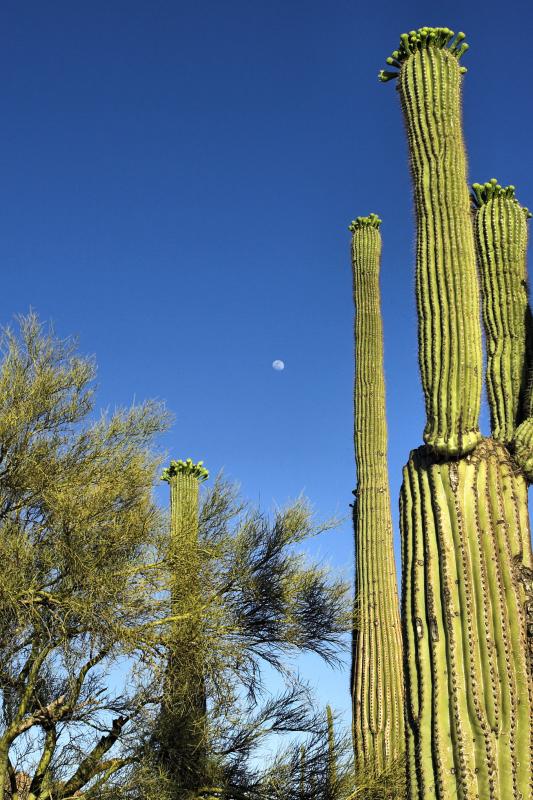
278 365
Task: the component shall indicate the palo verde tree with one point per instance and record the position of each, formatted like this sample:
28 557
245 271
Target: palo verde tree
77 532
91 604
377 675
465 531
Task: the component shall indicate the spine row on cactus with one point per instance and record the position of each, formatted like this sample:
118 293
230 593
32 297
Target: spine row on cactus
469 691
377 690
500 231
449 334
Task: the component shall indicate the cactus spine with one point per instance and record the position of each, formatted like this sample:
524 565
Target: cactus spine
377 690
464 521
183 717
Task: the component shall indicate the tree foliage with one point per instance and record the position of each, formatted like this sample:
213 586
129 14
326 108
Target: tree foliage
85 611
77 526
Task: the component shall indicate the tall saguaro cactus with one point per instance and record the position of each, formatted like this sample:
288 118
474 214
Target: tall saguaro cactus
464 521
183 724
377 689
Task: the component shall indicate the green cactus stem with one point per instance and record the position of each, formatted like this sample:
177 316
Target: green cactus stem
467 583
449 335
183 724
500 232
377 689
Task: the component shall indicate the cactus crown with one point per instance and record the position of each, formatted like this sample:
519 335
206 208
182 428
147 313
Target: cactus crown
185 468
483 192
372 221
422 39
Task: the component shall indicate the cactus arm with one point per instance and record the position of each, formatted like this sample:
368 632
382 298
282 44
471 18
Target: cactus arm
501 235
449 335
500 232
377 691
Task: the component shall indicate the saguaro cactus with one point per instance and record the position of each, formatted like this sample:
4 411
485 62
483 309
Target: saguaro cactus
183 724
377 690
464 522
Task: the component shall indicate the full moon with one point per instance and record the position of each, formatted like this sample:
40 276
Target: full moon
278 365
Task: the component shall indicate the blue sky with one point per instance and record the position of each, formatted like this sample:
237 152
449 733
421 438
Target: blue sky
177 181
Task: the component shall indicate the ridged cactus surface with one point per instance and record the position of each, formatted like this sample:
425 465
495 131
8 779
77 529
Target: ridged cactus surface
183 725
465 568
377 690
500 227
450 356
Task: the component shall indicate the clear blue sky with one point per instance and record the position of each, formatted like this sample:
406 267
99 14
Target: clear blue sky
177 181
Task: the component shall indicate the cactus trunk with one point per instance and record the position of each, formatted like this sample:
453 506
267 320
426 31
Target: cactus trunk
464 518
464 524
183 724
377 688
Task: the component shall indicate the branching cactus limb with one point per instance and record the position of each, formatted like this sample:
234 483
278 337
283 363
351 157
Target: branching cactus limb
469 722
377 687
500 232
183 724
449 335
